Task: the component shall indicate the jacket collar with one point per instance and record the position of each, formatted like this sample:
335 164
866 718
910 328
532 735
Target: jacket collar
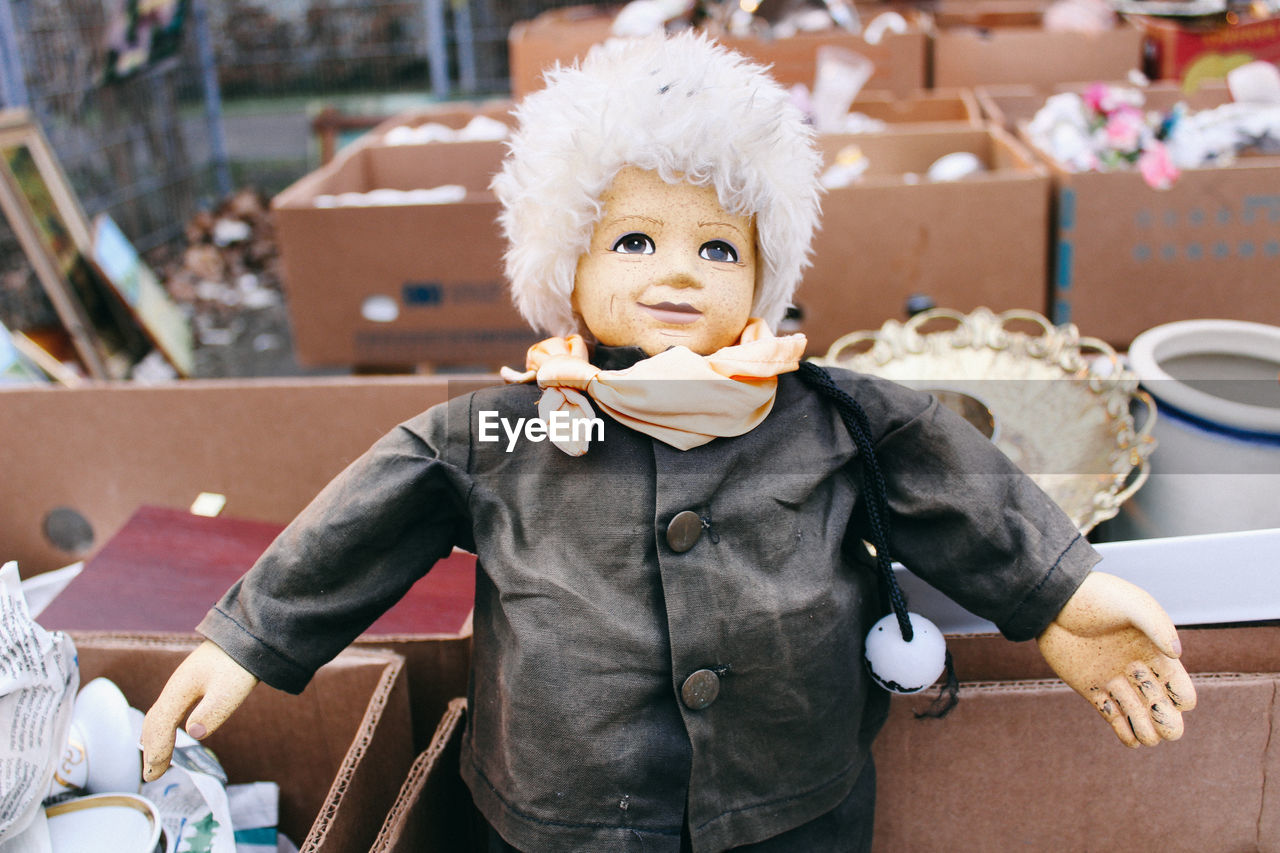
616 358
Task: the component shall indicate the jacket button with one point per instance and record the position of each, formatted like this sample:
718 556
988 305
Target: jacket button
684 531
700 689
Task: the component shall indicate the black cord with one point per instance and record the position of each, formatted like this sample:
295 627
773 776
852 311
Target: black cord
855 420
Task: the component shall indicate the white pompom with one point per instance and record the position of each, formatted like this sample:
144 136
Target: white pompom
903 667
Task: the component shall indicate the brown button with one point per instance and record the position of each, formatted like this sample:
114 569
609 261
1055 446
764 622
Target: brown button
700 689
684 531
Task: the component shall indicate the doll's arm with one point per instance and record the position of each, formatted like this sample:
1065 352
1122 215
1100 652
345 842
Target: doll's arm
211 678
1115 646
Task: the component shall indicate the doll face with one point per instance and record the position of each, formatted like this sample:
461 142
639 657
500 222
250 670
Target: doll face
667 266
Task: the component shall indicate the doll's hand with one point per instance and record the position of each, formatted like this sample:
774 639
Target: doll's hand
1115 646
207 676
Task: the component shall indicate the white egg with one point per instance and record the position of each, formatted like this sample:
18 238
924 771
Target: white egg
903 667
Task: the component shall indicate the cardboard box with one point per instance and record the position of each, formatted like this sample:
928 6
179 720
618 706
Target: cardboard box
268 446
405 284
1009 105
1021 762
1029 765
1205 49
1127 257
981 42
981 241
564 35
927 109
103 451
337 750
433 811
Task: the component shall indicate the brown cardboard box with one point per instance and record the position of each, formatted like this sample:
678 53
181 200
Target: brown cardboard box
563 35
433 811
435 270
1127 257
926 109
981 42
1027 765
337 750
1021 763
268 445
982 241
1009 105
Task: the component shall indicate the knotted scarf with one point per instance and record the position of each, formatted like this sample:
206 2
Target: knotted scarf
725 393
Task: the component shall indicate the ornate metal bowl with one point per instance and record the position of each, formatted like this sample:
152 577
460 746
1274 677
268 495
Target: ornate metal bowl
1058 404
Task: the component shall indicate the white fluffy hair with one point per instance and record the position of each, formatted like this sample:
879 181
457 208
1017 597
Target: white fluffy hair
682 106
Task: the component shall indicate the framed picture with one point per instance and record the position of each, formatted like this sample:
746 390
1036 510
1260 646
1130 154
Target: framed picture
16 365
137 286
51 227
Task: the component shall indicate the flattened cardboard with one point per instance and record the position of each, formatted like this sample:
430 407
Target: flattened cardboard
981 241
269 445
565 35
337 751
438 266
983 42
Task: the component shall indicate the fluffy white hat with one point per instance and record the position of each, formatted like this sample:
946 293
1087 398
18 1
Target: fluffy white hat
682 106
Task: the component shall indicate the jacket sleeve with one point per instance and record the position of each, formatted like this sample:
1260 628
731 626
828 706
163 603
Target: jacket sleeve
968 521
351 554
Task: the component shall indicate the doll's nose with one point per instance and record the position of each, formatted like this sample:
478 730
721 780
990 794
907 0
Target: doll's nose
680 274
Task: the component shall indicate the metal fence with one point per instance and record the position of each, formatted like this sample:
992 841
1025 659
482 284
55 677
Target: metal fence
150 149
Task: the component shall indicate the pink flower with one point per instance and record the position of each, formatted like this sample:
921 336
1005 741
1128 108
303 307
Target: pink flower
1095 95
1157 167
1124 128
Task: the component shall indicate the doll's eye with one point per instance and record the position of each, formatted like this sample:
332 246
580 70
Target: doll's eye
634 243
718 250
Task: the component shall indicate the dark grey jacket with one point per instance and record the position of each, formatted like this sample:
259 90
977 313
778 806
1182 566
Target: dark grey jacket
588 624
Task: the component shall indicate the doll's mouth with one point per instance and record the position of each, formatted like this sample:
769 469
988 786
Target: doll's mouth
679 314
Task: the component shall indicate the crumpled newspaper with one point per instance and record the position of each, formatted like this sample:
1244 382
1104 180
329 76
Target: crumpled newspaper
38 680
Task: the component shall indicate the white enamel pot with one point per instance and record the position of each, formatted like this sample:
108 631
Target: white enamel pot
1216 467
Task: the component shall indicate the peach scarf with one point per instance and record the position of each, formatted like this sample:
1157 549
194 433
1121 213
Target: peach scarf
736 391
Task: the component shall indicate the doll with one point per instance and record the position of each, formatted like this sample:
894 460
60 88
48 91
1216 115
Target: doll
670 606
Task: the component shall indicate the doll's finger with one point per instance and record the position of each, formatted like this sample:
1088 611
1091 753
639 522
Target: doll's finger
1164 717
1110 711
1134 710
1173 676
219 702
159 728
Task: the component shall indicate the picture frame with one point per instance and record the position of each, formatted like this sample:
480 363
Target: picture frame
17 367
137 286
52 229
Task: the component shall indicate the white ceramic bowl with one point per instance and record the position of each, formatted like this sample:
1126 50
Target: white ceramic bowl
84 825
